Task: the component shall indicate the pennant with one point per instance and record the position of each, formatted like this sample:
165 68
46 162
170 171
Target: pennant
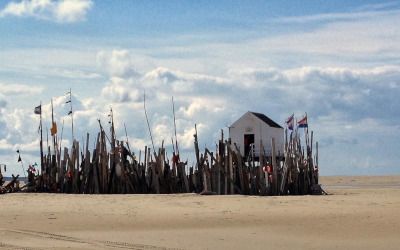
68 101
19 158
53 129
70 112
290 122
38 110
303 122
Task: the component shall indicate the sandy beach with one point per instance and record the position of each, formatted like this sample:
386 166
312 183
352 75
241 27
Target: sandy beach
360 213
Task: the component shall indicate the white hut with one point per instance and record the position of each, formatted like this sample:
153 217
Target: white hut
253 128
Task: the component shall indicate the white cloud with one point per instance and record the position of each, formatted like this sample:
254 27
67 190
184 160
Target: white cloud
124 84
63 11
27 8
120 90
366 13
3 102
72 74
362 34
117 63
203 105
19 89
370 40
72 10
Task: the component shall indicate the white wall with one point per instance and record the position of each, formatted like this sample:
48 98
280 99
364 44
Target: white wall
250 124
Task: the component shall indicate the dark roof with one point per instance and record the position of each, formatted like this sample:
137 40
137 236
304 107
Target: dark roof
266 119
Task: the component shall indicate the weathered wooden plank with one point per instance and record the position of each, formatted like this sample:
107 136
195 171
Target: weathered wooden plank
274 168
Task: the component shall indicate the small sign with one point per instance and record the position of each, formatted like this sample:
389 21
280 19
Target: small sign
249 129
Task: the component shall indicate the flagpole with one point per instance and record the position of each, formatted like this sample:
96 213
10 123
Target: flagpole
41 139
20 160
176 138
306 131
62 132
53 129
72 114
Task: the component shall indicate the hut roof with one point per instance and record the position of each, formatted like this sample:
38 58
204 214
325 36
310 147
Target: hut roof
266 119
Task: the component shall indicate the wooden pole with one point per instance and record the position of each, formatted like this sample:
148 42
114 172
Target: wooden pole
148 124
53 128
226 163
262 184
275 169
316 162
41 141
230 163
199 165
239 161
85 171
176 138
127 140
72 114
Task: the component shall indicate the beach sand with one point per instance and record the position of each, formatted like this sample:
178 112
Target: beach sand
360 213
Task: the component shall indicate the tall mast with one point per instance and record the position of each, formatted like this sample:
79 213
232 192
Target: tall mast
41 140
148 124
176 138
71 112
112 130
53 127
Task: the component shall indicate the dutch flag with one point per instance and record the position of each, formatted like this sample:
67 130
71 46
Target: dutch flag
290 122
302 123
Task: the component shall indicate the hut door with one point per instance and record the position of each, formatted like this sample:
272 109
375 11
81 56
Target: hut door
248 140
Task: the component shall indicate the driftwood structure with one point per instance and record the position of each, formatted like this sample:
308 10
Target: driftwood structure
112 168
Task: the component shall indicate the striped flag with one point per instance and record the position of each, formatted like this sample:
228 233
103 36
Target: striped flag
302 123
290 122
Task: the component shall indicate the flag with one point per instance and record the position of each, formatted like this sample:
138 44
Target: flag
19 158
32 169
53 129
290 122
68 101
303 122
38 110
70 112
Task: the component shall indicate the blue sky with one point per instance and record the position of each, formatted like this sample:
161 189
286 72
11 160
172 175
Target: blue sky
339 61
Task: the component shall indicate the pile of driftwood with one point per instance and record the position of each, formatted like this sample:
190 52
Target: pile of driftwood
227 172
11 187
112 168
